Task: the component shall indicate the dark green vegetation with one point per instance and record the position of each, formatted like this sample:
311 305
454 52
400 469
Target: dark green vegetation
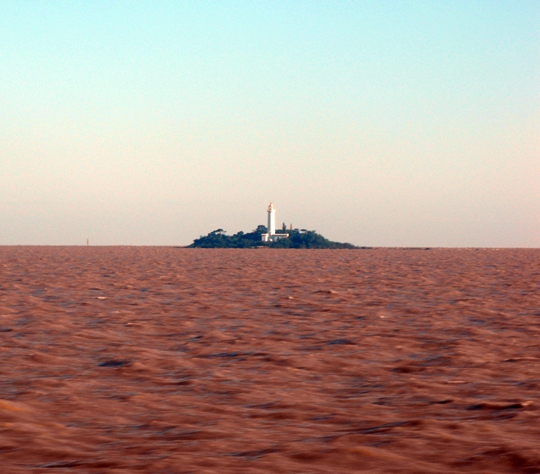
298 239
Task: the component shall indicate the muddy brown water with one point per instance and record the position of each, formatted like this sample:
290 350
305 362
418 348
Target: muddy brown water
168 360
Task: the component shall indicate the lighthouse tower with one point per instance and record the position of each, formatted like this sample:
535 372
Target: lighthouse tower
271 235
271 219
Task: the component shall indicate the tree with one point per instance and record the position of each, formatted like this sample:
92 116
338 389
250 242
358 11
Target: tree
298 239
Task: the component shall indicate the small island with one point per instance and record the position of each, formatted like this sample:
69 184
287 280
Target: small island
264 236
296 239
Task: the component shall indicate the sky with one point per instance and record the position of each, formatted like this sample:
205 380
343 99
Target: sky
379 123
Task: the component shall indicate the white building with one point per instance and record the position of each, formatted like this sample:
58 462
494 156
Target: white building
271 235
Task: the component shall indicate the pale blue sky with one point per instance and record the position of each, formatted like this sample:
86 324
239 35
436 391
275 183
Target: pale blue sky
381 123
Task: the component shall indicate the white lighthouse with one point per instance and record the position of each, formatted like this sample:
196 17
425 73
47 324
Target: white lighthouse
271 235
271 219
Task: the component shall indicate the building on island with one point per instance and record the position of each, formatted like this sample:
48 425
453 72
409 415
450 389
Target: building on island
271 235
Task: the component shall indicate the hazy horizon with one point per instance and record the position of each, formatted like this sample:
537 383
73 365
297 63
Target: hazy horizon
377 123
